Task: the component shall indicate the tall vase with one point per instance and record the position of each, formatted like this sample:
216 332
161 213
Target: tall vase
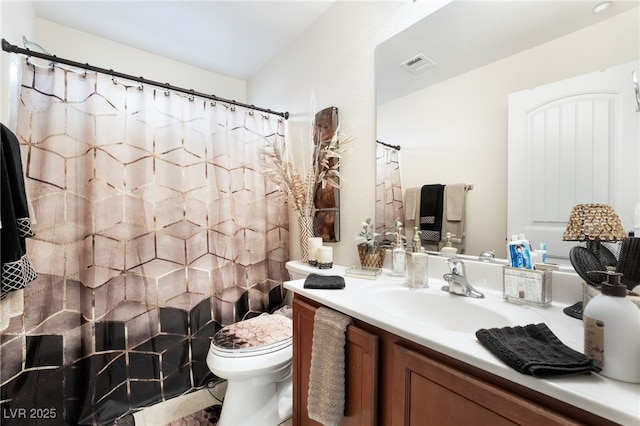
306 231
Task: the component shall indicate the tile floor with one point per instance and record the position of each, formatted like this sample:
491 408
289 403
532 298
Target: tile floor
199 419
198 408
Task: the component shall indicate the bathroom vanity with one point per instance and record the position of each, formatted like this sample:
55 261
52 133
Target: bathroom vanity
413 358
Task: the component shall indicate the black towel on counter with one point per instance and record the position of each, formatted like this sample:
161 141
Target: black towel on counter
324 282
534 350
431 205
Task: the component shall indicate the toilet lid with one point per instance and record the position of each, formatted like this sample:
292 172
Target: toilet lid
255 334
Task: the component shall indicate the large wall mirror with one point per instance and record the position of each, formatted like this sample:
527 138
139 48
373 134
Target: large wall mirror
448 110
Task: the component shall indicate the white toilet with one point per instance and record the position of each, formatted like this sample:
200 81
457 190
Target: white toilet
255 357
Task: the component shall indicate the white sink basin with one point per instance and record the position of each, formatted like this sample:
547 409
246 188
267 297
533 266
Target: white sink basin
440 309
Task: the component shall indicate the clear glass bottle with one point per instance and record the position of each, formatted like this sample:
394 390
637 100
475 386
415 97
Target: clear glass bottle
399 256
417 264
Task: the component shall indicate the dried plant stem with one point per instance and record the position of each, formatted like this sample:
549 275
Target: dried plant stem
323 169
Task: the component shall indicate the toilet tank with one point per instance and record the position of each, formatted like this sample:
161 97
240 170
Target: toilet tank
299 270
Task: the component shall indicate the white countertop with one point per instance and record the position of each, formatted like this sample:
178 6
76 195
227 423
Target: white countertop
611 399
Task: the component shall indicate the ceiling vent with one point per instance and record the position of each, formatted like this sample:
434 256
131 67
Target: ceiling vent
418 63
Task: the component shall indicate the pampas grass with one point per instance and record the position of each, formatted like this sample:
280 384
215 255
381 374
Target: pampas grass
300 187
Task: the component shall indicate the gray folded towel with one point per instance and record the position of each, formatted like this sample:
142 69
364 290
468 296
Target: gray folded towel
317 281
326 395
535 350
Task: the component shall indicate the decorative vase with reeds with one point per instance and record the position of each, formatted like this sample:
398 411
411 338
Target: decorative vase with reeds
300 188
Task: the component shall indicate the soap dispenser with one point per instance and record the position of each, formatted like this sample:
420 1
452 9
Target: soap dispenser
448 250
399 256
417 264
612 331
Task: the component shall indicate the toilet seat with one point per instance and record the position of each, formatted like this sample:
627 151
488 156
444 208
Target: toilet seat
257 336
255 356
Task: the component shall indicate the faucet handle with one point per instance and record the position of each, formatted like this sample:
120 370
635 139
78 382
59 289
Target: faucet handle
487 256
456 266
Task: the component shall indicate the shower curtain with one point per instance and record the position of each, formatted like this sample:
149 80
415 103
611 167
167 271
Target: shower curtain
389 206
154 229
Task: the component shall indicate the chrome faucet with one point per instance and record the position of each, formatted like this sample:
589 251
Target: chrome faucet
487 256
457 280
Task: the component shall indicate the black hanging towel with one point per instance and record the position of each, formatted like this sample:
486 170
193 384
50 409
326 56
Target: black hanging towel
431 203
16 224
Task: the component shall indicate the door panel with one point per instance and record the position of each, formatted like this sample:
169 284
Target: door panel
572 142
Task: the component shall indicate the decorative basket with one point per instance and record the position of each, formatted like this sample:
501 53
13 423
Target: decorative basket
371 257
589 292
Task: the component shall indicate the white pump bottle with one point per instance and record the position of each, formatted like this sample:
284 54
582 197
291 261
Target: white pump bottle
612 332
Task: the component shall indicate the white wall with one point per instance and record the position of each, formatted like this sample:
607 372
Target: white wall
334 59
82 47
18 19
456 131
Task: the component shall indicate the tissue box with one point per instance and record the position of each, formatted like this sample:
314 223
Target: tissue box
526 286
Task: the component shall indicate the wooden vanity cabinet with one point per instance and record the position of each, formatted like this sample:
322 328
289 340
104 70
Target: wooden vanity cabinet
361 365
392 381
428 392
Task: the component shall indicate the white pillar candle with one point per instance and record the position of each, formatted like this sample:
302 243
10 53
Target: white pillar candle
313 244
325 257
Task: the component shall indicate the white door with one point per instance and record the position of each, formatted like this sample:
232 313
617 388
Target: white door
571 142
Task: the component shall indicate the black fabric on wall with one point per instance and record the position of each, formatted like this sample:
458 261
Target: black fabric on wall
16 224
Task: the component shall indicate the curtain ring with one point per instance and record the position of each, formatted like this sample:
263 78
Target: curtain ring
113 77
191 96
166 91
140 86
84 75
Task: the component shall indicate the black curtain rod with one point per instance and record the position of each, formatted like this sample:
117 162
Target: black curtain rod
396 147
8 47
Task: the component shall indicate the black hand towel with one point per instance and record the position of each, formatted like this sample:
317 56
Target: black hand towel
535 350
328 282
629 262
431 205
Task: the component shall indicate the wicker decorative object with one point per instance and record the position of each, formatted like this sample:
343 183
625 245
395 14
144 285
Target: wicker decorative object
371 257
591 222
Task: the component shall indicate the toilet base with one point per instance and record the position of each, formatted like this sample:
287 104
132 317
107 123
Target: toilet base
249 403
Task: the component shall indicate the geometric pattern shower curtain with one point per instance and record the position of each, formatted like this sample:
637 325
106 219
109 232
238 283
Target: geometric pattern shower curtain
154 228
389 205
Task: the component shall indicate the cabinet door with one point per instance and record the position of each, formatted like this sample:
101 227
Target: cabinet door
361 370
427 392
